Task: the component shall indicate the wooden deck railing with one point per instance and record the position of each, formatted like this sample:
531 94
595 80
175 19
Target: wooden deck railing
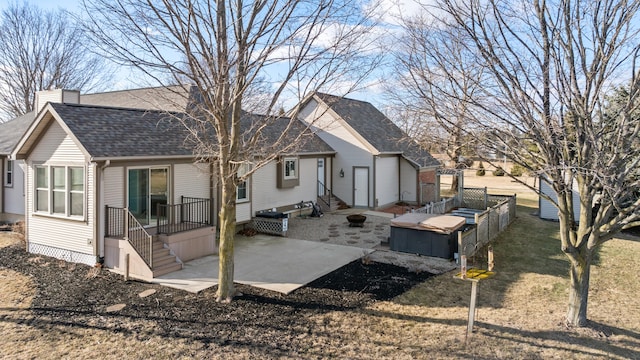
192 213
121 223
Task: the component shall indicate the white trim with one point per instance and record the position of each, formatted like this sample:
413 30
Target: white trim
9 172
243 169
294 168
154 167
49 212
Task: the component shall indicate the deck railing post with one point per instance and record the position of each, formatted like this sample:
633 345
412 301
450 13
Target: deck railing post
125 224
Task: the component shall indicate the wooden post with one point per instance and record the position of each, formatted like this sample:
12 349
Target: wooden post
126 267
463 266
490 264
472 307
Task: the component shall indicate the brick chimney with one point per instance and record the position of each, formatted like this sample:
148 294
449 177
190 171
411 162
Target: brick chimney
56 96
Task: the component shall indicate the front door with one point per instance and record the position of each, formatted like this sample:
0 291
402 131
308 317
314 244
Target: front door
361 187
147 188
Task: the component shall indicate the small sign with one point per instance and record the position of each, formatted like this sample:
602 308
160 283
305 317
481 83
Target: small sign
475 274
285 224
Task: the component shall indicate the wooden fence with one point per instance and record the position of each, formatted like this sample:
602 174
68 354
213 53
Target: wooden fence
489 224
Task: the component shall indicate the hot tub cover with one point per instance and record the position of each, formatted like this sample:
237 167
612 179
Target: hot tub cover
444 224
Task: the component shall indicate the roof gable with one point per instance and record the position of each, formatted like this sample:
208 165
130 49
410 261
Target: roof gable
375 128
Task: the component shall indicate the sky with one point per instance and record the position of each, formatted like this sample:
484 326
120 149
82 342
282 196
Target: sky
371 91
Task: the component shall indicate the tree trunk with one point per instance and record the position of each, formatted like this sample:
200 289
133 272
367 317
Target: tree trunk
579 291
227 225
454 184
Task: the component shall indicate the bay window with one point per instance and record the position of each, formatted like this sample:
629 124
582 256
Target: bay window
60 190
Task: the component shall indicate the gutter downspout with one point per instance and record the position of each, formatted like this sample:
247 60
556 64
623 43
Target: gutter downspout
375 177
97 202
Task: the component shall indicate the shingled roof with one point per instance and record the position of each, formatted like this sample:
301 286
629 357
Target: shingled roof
377 129
108 132
166 98
116 132
12 130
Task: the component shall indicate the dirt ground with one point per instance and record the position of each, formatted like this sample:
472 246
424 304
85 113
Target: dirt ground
50 308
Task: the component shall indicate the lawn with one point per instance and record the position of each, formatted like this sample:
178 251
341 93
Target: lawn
520 312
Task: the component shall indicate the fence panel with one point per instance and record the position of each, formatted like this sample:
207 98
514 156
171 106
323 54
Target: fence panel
494 223
503 210
467 242
475 198
482 227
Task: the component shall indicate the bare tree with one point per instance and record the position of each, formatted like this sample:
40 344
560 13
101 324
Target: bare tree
42 51
547 68
228 51
434 77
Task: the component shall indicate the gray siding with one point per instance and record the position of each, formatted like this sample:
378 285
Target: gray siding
350 150
387 180
266 195
408 181
14 195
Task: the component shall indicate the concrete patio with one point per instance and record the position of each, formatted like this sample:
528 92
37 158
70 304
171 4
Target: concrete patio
269 262
313 247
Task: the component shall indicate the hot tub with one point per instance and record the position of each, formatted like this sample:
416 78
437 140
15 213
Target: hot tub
426 234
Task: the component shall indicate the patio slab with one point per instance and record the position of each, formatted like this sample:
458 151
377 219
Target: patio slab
268 262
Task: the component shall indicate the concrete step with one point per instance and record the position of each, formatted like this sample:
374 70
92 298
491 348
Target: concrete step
158 253
334 205
159 261
165 269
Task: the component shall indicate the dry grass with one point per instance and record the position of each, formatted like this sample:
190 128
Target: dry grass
521 309
520 313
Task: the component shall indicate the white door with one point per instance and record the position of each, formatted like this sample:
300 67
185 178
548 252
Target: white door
321 184
361 187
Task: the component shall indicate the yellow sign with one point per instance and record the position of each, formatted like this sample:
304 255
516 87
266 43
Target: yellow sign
476 274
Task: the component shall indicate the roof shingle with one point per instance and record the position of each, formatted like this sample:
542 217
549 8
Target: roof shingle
12 130
107 132
377 129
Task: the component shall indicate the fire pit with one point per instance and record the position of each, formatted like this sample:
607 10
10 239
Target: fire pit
356 220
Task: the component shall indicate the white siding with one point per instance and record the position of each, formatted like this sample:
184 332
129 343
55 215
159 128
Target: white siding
14 195
408 181
550 212
56 146
243 212
266 195
190 180
62 233
387 181
350 151
113 188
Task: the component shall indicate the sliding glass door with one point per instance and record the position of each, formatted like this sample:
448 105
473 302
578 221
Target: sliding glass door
147 188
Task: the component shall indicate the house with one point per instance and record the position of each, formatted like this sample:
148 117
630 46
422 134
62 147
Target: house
120 185
547 210
12 196
376 163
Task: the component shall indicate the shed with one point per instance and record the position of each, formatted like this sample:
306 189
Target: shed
547 210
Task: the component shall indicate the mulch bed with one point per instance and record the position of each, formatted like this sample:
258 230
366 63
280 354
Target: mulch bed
262 321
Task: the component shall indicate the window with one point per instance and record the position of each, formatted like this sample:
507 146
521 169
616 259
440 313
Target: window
63 188
290 168
42 188
288 175
76 191
8 178
242 192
